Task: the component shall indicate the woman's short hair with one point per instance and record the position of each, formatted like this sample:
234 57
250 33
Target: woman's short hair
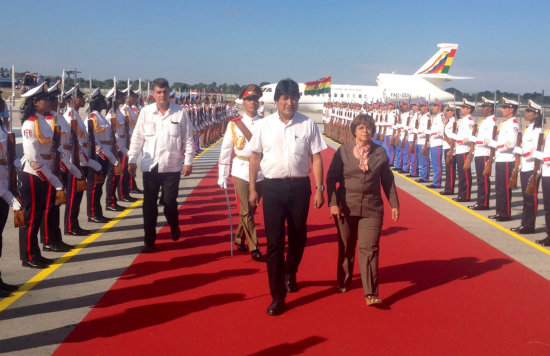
161 83
287 87
362 119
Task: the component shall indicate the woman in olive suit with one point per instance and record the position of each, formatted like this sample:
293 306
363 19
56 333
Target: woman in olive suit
358 171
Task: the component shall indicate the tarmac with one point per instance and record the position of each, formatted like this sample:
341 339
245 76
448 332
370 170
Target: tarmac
50 302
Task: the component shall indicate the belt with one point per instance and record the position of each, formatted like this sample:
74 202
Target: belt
46 156
288 179
67 147
243 158
106 142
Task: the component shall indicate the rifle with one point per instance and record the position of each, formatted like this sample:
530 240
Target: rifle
18 215
117 169
487 170
452 143
60 197
394 135
413 145
98 177
532 185
405 136
425 147
514 177
468 160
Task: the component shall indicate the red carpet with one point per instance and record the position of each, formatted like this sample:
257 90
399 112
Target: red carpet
447 293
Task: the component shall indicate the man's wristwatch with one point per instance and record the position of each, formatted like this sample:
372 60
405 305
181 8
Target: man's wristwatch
320 187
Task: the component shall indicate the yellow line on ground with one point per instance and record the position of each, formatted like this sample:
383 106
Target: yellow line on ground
43 274
472 212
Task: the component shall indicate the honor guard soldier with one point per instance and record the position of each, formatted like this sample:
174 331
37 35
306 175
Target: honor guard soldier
7 199
115 172
543 155
390 126
126 182
411 140
76 186
104 143
404 145
529 142
50 231
164 135
422 136
436 144
463 138
504 159
482 153
237 138
37 173
448 150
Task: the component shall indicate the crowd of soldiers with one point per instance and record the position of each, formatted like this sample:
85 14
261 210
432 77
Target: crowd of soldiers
65 155
422 139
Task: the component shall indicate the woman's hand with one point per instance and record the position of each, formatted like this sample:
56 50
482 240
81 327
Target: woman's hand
395 214
335 212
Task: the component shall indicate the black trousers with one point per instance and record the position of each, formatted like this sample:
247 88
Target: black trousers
95 190
74 199
530 201
503 192
33 193
152 182
483 182
546 201
124 181
464 178
111 183
285 201
450 173
4 211
50 230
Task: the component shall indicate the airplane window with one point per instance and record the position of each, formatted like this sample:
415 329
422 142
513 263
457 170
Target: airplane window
360 96
335 95
341 95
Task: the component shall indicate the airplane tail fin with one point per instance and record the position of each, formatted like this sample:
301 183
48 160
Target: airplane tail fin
441 62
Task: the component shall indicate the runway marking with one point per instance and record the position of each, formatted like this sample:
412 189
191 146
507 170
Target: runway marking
472 212
43 274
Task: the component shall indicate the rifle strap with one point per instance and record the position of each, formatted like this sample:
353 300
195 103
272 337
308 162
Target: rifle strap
246 132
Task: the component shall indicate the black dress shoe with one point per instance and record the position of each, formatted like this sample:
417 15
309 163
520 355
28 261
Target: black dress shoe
175 234
523 230
343 289
35 264
446 193
129 199
420 180
241 247
494 216
461 200
115 207
478 207
432 186
136 191
55 248
503 218
98 219
257 256
4 293
411 176
46 260
83 232
544 242
291 284
148 248
276 307
8 287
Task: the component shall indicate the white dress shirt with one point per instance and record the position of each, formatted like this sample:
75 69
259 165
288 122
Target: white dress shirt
484 136
286 148
165 140
506 140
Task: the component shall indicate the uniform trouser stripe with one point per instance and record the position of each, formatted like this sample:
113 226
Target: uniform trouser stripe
486 184
92 205
31 222
71 200
46 215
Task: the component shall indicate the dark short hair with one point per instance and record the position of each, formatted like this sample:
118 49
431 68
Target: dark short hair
362 119
161 83
287 87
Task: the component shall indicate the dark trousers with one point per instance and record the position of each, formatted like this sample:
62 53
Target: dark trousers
4 211
74 199
546 201
464 178
450 173
285 201
503 192
33 193
530 201
152 182
50 230
111 183
95 190
483 182
124 181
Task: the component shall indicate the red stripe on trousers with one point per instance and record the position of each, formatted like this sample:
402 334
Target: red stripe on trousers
508 208
93 201
31 222
467 181
121 191
486 178
48 199
73 180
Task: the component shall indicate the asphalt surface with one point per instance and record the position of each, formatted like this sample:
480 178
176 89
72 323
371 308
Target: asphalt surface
51 302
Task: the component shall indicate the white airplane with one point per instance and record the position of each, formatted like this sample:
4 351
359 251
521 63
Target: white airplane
425 83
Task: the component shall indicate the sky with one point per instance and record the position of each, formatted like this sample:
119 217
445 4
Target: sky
503 44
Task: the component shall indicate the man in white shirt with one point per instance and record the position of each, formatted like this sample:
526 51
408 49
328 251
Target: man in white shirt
283 146
163 131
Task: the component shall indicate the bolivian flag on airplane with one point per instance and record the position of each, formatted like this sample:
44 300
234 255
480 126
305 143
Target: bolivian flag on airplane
318 87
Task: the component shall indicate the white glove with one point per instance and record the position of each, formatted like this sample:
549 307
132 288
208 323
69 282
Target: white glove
75 171
493 144
538 155
222 183
518 150
15 205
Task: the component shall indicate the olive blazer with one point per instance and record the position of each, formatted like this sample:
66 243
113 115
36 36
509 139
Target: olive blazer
358 193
